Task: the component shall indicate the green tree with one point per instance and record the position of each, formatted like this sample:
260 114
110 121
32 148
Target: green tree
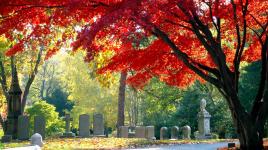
40 108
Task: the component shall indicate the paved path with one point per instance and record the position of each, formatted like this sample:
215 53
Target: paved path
213 146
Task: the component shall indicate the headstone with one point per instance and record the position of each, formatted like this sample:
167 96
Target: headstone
23 127
123 132
186 132
150 133
84 125
204 121
40 125
36 139
174 132
68 132
140 132
98 125
164 133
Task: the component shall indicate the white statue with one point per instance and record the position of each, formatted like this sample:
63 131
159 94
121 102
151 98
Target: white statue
203 104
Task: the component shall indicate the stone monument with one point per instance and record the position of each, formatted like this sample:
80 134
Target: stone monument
186 132
40 125
98 125
67 120
14 107
174 132
123 131
140 132
203 122
84 125
150 133
23 127
164 133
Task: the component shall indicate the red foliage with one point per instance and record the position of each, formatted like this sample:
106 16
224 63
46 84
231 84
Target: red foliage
133 20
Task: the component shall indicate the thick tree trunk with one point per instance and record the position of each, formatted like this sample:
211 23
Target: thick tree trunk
250 133
121 101
249 137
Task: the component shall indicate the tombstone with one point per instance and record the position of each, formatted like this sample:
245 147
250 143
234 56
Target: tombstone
186 132
36 139
84 125
23 127
123 132
204 122
40 125
164 133
98 125
140 132
174 132
68 132
149 133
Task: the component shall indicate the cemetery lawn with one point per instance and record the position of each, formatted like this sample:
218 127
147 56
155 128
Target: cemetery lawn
104 143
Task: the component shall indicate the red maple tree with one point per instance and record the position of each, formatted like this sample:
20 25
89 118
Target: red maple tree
193 40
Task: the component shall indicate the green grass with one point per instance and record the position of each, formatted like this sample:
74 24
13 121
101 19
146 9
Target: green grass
103 143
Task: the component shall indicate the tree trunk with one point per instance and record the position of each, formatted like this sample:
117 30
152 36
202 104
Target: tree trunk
250 133
121 101
249 137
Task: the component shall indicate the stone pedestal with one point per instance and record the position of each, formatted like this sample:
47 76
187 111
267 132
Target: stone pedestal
203 122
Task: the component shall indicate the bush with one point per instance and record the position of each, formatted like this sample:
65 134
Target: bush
53 124
215 136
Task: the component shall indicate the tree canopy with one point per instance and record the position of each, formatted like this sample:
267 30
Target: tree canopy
202 40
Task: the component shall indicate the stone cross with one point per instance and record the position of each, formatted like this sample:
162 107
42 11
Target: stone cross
67 120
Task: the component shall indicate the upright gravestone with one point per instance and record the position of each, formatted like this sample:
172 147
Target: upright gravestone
203 121
98 125
84 125
68 132
40 125
123 132
149 133
164 133
23 127
174 132
186 132
140 132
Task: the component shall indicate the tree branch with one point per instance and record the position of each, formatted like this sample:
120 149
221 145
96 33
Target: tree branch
184 57
3 79
31 78
258 102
